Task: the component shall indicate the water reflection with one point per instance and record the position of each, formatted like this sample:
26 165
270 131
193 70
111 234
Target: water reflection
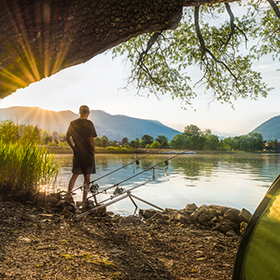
235 180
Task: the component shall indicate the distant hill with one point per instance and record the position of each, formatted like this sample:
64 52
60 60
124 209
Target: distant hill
270 129
115 127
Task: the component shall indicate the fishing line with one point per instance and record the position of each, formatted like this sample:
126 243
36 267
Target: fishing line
94 187
107 174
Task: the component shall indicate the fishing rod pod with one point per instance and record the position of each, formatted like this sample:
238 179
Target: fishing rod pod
119 193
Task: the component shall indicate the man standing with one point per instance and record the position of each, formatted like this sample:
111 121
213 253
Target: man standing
80 138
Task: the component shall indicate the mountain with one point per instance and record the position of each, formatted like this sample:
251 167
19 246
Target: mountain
270 129
115 127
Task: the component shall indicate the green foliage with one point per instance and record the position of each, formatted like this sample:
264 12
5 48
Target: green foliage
135 143
118 149
29 135
9 132
155 145
272 145
25 135
146 140
251 142
163 141
163 63
124 140
102 142
25 166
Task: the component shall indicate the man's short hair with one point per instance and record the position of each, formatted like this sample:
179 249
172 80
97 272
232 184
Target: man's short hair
84 109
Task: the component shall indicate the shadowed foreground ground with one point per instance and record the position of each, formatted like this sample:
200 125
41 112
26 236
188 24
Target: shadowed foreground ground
35 244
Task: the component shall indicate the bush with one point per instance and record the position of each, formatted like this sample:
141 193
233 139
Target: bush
26 167
116 149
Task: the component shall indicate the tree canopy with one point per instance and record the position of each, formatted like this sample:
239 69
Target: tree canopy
223 49
163 39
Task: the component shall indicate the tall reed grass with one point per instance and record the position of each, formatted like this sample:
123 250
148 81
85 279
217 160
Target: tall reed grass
26 166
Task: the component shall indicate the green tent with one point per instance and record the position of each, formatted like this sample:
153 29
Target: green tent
258 257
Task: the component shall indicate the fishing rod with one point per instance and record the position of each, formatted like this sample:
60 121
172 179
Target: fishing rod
95 187
120 194
105 175
117 197
95 191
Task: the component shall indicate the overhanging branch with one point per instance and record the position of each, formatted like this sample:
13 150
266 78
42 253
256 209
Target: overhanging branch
274 7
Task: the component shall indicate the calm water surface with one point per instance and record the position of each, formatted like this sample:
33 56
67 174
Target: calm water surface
235 180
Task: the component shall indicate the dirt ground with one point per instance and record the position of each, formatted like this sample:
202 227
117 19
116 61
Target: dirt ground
39 244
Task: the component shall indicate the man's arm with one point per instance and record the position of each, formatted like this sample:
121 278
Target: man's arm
68 140
91 141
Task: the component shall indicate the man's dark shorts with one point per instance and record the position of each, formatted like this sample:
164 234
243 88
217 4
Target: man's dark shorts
83 164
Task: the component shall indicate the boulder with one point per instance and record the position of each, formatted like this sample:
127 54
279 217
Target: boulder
232 214
193 217
191 207
52 200
158 218
130 220
169 211
244 215
220 210
202 210
205 219
221 227
181 218
234 225
147 213
231 233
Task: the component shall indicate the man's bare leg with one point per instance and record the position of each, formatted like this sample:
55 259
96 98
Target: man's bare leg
71 185
86 182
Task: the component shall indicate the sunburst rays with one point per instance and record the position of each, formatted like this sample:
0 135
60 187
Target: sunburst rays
37 39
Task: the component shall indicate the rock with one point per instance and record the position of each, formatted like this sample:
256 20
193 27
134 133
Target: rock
244 215
215 220
232 214
169 211
202 210
205 219
24 239
158 218
191 207
147 213
220 210
232 224
116 218
221 228
193 217
181 218
24 195
58 196
231 233
243 226
186 212
110 213
52 200
130 220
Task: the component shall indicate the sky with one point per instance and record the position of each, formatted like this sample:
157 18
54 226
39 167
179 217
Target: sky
99 84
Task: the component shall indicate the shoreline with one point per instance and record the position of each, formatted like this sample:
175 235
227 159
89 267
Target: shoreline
99 150
52 245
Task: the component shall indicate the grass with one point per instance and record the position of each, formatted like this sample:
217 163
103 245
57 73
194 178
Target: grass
26 166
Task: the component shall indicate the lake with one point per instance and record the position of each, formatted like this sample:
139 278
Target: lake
238 180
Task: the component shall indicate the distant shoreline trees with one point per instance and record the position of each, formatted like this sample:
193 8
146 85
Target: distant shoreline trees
193 138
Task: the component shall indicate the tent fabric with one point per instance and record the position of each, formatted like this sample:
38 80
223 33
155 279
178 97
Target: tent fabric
258 256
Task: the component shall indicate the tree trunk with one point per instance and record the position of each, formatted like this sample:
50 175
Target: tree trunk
39 38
